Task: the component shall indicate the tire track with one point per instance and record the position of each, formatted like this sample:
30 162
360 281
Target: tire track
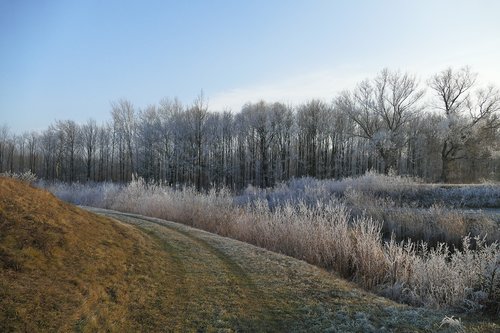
223 285
213 287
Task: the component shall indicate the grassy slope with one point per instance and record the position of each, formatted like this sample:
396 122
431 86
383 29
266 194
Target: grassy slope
62 268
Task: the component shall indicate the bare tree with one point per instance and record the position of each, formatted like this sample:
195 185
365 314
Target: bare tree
378 125
313 120
104 133
465 111
4 138
197 116
381 108
125 122
89 133
284 118
32 140
67 133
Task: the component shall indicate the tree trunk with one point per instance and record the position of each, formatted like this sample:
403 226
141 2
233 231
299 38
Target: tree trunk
445 170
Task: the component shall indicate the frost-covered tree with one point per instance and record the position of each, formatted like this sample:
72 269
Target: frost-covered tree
314 120
378 125
261 129
149 143
4 138
124 118
89 139
381 108
468 114
284 120
197 118
68 133
105 151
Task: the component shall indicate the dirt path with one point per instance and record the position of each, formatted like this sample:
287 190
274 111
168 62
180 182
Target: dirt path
226 285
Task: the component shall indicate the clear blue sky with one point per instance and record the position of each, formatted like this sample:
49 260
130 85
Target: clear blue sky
70 59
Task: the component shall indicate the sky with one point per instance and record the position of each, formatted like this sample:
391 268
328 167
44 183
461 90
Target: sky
70 59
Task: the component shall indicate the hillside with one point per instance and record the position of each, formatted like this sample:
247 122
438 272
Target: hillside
66 269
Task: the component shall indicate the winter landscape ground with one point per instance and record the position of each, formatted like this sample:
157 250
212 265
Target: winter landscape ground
67 269
250 166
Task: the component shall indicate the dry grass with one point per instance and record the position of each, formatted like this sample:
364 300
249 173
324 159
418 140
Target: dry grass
64 269
437 223
323 233
266 292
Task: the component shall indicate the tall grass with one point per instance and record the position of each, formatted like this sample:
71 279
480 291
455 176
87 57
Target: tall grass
26 176
400 190
323 231
438 223
405 207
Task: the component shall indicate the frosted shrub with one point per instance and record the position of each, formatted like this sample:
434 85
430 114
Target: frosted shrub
321 235
474 196
27 176
455 324
100 195
439 277
435 224
132 196
400 190
399 258
209 211
368 257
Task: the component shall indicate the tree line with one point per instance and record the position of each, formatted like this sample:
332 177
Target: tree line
446 130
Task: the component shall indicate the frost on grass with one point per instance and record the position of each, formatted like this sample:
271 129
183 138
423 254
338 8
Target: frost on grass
455 324
27 176
309 223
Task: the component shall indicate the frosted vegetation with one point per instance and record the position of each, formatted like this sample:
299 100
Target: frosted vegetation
386 233
27 176
406 207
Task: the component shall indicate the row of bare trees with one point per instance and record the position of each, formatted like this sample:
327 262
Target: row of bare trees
446 131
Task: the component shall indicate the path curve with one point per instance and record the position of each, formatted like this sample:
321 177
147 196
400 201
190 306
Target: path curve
224 285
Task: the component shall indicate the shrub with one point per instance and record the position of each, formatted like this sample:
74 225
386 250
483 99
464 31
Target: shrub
27 176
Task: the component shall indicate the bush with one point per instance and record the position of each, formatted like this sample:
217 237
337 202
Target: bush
27 176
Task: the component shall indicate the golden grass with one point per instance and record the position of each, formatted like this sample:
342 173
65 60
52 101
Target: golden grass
64 269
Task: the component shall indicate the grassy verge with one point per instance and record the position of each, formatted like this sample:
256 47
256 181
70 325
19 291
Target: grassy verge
325 231
233 286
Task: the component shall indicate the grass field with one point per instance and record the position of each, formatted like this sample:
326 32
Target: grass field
65 269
